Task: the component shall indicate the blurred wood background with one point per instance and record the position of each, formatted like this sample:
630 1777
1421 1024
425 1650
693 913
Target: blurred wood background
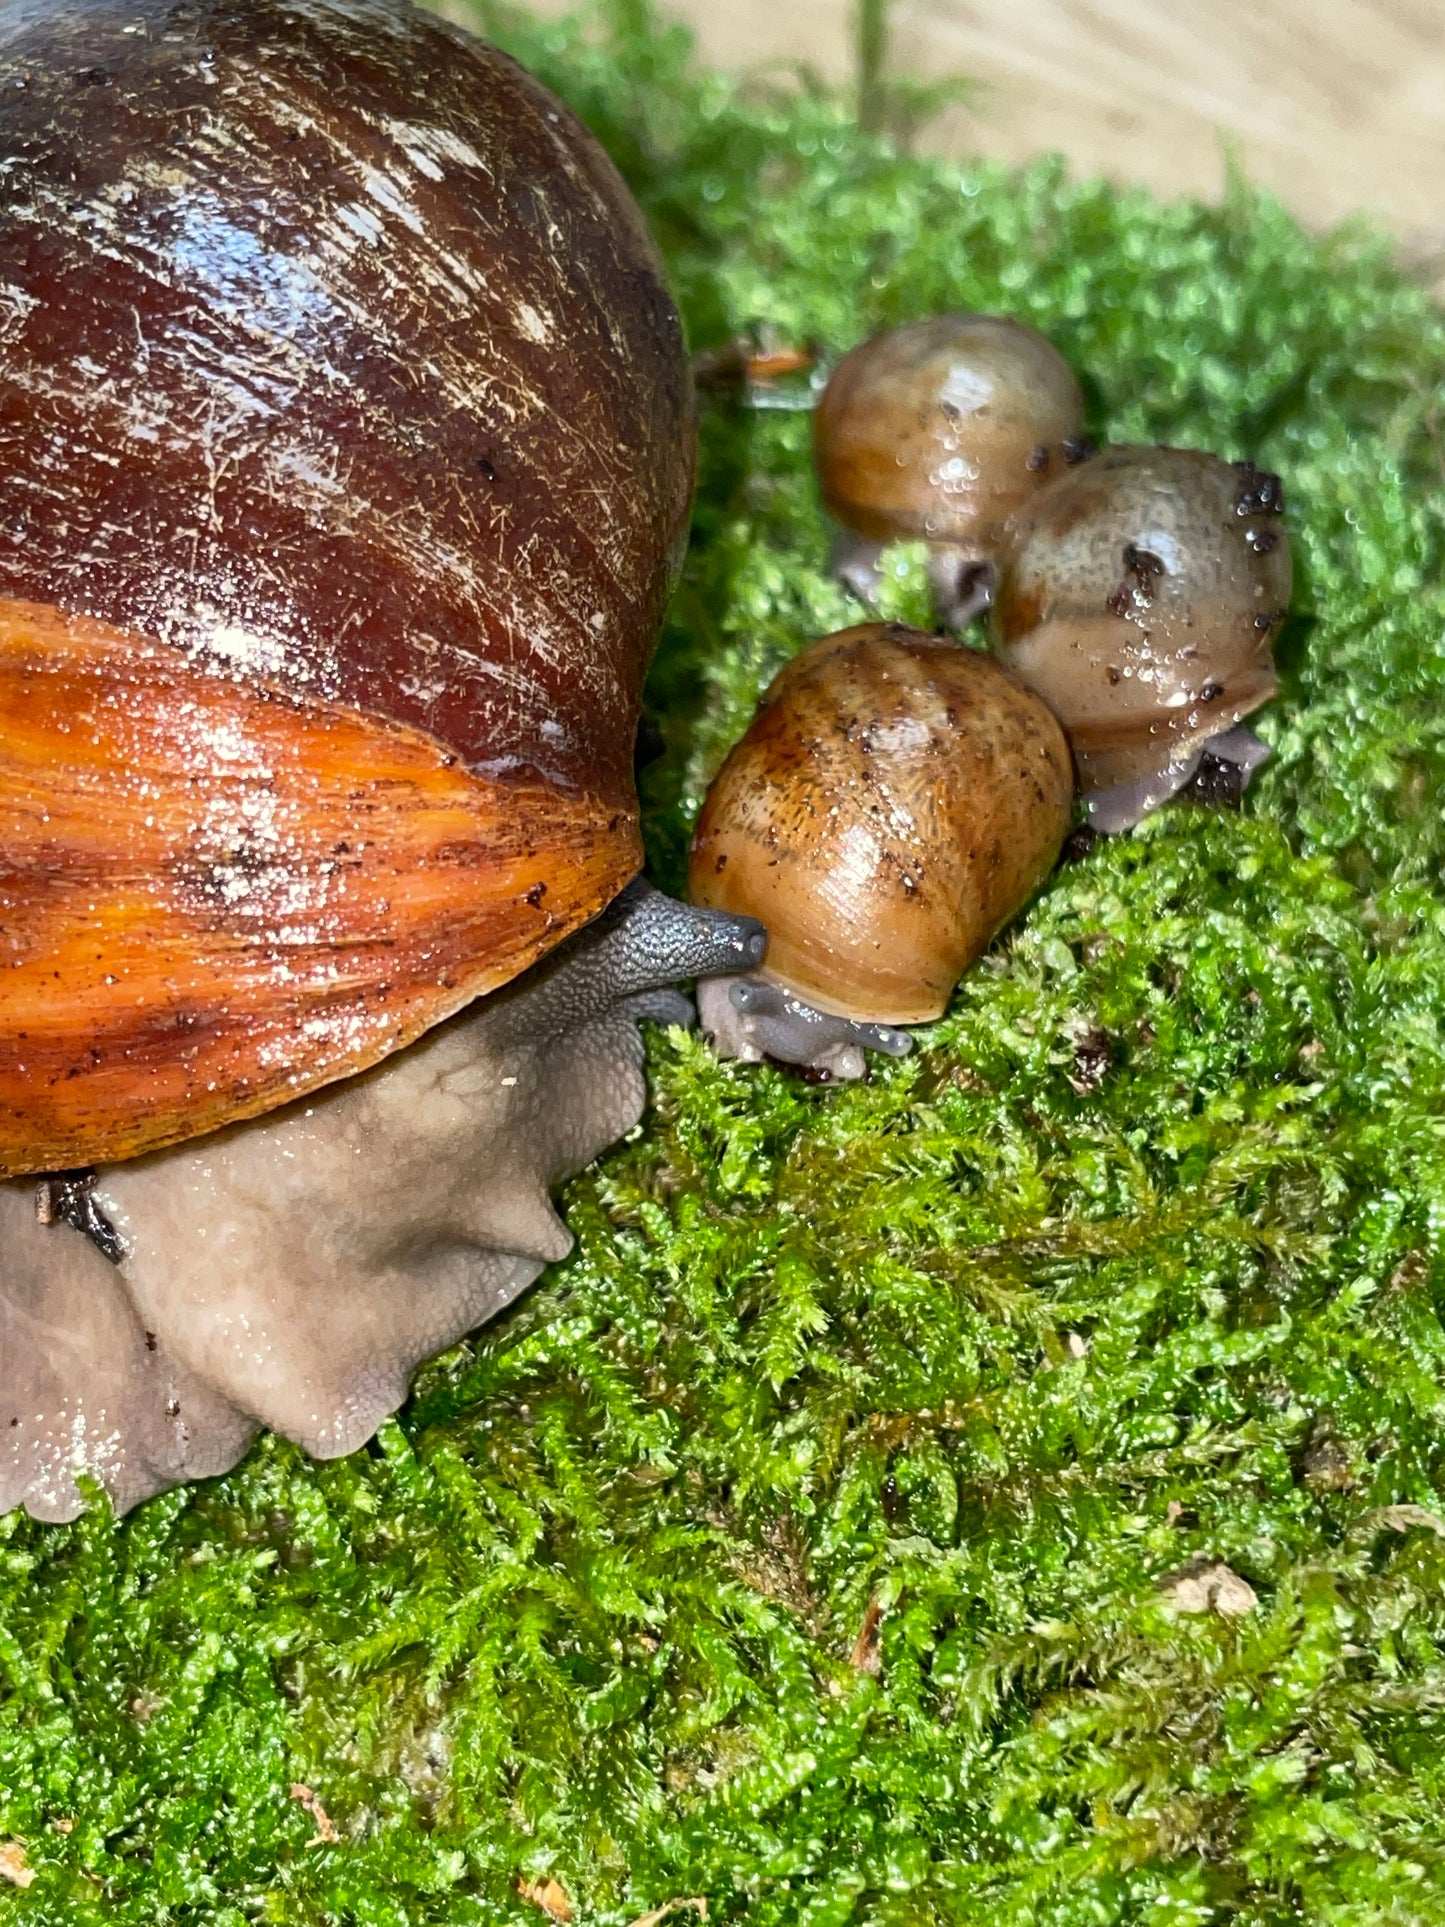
1337 106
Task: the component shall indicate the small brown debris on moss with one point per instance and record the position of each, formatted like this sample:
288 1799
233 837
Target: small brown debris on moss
1092 1056
1398 1518
867 1656
696 1901
550 1895
1209 1586
14 1867
326 1834
1325 1465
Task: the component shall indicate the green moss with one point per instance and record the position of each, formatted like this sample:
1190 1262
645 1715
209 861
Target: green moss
1136 1261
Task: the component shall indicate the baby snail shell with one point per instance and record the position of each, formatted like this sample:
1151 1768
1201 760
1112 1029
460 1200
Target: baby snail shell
1139 596
897 798
938 432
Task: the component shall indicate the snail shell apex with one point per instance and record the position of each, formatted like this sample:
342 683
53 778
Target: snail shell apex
348 443
940 429
896 799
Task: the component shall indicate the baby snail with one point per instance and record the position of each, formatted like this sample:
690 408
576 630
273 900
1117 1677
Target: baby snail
896 799
1138 595
938 432
348 455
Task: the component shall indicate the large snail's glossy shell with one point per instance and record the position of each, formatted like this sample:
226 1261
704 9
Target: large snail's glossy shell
345 452
939 430
896 799
1139 596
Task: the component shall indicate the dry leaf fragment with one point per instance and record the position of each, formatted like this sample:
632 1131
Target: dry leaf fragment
1209 1586
325 1833
751 361
1325 1464
14 1867
670 1907
550 1895
1398 1518
866 1656
1232 1596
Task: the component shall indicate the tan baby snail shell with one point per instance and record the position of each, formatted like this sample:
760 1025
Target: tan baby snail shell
896 799
939 431
1139 596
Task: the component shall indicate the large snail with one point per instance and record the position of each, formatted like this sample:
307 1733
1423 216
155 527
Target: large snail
347 451
897 798
1139 595
939 431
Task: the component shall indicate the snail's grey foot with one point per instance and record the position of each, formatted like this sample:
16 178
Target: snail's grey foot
1241 747
1122 805
1218 771
750 1018
854 563
963 586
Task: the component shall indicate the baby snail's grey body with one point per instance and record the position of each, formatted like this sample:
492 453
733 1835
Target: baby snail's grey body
753 1020
937 432
293 1271
1139 596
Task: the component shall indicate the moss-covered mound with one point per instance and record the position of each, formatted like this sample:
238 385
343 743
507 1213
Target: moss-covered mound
1009 1491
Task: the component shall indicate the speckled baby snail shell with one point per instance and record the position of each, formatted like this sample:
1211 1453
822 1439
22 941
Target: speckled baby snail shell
938 432
897 798
1139 596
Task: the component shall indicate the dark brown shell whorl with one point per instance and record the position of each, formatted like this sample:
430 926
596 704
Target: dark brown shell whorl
345 452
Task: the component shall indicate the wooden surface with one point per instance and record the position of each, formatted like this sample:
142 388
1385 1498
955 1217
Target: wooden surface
1334 105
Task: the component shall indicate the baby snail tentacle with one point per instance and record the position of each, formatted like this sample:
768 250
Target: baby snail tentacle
1139 596
897 798
938 432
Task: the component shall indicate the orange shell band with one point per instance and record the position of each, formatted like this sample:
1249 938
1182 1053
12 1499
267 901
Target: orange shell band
214 898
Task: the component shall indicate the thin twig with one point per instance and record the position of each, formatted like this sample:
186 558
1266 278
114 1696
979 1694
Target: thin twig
872 62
